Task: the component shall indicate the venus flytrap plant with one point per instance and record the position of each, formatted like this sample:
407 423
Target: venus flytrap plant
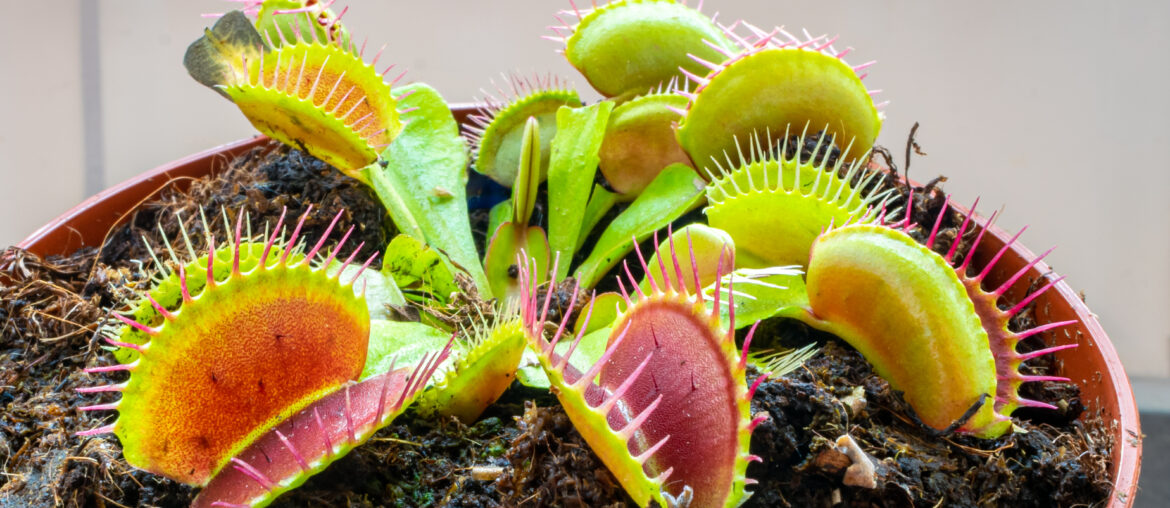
234 359
317 94
640 141
313 94
926 324
788 82
629 47
669 412
484 366
253 367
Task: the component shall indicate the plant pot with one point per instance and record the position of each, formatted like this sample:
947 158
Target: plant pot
1094 365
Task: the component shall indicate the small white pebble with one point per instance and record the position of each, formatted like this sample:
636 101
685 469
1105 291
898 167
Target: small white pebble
486 473
861 473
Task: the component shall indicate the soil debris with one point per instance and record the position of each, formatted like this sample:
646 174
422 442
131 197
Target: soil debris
553 466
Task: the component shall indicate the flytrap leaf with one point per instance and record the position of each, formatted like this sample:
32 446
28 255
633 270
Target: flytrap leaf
423 183
235 359
774 203
515 236
673 193
419 269
640 141
927 341
928 328
484 368
311 94
772 83
669 413
572 166
629 47
308 441
497 130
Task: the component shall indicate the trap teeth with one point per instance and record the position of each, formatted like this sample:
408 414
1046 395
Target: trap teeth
192 400
638 411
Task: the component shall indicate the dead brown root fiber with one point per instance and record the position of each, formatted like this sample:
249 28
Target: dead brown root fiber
49 311
552 466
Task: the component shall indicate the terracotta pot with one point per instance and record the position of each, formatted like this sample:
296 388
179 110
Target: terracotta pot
1094 365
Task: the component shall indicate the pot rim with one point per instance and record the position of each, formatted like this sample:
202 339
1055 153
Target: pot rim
1126 456
110 207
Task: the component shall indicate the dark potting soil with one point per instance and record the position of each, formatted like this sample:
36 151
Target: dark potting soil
523 451
262 182
1063 462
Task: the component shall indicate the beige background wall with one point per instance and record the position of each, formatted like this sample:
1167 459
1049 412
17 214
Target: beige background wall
1056 110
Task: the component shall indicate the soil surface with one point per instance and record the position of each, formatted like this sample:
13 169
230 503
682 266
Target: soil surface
523 451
